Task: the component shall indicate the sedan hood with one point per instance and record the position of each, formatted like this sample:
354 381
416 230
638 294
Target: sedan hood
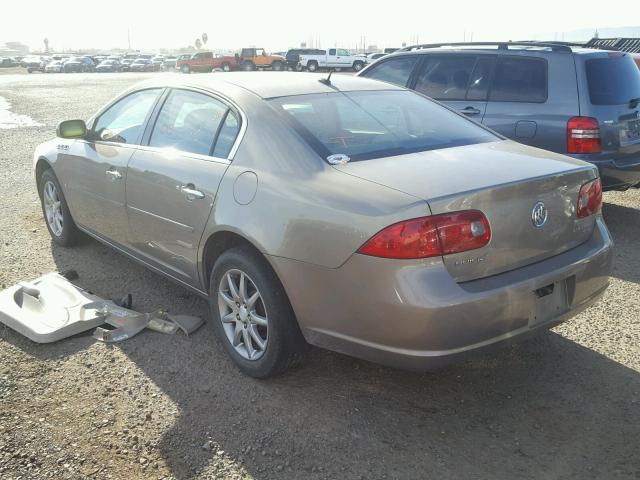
505 181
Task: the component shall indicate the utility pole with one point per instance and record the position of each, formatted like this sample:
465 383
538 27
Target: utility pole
128 39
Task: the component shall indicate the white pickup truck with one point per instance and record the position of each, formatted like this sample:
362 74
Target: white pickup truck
333 58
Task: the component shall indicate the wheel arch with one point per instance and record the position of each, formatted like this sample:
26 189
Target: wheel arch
219 242
42 164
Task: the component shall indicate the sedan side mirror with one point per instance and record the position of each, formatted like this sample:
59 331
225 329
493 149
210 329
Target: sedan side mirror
72 129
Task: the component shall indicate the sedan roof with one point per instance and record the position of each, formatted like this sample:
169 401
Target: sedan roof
277 84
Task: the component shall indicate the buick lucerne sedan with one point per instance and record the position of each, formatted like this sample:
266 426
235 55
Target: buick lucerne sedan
341 212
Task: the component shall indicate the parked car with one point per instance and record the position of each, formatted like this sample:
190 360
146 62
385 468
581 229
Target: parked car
55 66
109 66
293 56
125 64
207 62
258 58
8 62
158 61
579 102
333 58
79 64
142 65
169 63
372 57
387 204
33 63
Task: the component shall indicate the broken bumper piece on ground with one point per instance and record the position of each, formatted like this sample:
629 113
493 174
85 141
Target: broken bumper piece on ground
129 325
51 308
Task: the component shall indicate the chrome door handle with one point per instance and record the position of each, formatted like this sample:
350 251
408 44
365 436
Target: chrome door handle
190 191
114 174
470 111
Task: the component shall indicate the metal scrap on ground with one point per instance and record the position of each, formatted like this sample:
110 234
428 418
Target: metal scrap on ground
51 308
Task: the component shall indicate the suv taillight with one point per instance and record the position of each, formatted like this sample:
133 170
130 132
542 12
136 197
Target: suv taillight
583 135
430 236
590 198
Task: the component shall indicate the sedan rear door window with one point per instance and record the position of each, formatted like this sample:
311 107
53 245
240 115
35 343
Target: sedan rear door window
188 122
227 136
395 70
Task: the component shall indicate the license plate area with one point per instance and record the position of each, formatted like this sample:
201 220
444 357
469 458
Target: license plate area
549 302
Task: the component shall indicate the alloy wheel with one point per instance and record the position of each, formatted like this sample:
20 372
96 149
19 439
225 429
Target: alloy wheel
243 314
53 208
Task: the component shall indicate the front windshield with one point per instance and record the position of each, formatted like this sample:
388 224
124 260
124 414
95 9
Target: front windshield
373 124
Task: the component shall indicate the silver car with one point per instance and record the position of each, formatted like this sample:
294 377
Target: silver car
340 212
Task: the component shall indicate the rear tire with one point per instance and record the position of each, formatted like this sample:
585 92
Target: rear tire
283 344
226 67
277 66
312 66
357 66
248 66
61 226
185 69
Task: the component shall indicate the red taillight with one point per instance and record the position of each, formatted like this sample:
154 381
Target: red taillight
590 198
583 135
430 236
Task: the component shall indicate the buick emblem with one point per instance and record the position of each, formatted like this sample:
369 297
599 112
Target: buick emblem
539 215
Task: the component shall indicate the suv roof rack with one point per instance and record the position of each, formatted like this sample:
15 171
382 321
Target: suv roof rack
622 44
555 47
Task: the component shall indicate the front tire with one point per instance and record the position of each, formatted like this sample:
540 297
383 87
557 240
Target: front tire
252 315
312 66
61 226
277 66
357 66
226 67
248 66
185 69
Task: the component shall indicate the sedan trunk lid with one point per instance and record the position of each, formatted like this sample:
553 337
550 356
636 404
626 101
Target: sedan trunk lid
504 180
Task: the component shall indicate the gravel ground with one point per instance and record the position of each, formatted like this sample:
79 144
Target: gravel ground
565 404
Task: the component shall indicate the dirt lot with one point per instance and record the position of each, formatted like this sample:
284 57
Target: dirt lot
563 405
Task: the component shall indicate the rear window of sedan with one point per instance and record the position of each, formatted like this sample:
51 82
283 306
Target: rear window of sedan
372 124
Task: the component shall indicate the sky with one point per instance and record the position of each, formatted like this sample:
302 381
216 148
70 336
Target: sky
281 24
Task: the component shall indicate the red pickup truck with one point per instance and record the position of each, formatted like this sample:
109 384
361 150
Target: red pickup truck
206 62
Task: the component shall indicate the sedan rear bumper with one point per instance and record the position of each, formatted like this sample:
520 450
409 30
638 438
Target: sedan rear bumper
413 315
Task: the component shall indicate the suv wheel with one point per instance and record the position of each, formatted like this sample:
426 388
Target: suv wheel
61 226
312 66
357 66
252 315
248 66
185 69
276 66
226 67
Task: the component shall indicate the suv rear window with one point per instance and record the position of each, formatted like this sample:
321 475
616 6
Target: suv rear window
519 80
612 80
374 124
